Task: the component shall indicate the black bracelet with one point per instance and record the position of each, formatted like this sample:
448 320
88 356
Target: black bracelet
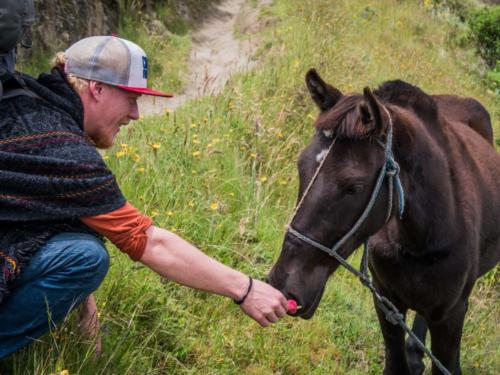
239 302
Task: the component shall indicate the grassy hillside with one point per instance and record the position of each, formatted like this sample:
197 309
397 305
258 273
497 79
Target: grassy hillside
221 173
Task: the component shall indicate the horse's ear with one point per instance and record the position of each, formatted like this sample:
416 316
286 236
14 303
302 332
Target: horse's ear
370 111
323 94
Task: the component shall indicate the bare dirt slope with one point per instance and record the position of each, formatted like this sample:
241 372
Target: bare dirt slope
216 54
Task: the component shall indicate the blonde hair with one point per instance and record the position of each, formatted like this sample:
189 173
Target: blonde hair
78 84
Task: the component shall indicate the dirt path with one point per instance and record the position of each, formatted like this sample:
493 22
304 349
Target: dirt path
215 55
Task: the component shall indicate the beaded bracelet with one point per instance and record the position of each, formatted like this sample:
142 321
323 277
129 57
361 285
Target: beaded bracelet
239 302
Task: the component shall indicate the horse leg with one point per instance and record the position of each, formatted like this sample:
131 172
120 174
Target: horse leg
394 340
446 335
414 355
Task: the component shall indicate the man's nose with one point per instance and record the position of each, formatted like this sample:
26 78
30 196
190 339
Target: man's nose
134 112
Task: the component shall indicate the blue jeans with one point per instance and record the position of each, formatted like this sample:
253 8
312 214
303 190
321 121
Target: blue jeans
61 274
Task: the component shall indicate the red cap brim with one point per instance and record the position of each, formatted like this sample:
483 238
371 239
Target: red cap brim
146 91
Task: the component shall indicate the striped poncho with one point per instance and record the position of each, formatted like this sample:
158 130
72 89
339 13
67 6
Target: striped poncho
50 172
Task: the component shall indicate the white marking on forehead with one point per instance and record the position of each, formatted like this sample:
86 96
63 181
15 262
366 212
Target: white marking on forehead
321 155
328 133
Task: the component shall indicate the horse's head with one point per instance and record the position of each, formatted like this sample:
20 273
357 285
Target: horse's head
332 204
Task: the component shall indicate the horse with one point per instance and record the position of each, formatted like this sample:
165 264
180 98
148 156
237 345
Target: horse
437 163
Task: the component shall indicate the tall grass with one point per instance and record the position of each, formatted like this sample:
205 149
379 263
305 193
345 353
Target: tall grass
221 172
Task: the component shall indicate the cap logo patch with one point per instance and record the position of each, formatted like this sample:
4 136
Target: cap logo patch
144 67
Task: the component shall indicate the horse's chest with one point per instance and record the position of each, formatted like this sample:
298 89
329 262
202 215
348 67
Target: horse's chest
418 284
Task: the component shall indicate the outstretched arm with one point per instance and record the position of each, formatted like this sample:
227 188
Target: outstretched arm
175 259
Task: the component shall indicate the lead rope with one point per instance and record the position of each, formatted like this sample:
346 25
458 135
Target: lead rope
299 205
391 170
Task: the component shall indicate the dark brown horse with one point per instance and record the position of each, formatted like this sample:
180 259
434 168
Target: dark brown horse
426 260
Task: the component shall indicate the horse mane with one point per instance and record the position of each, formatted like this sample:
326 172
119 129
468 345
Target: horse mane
411 97
344 119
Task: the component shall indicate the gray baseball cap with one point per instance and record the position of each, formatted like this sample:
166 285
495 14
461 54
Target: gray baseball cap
112 60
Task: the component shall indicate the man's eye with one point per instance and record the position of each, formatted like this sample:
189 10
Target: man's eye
354 189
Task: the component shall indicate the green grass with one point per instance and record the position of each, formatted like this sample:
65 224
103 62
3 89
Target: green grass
221 172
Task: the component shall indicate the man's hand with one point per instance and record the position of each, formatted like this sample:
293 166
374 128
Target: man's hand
88 323
264 304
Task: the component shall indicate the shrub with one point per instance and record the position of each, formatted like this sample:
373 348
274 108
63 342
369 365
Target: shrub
460 8
485 28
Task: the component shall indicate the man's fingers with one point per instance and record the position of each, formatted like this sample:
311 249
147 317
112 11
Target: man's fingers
272 317
263 322
281 312
284 302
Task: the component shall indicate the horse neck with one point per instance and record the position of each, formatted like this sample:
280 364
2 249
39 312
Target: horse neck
420 149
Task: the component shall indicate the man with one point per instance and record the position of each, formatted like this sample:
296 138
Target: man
56 193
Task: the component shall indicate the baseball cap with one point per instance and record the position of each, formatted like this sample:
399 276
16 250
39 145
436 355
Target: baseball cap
112 60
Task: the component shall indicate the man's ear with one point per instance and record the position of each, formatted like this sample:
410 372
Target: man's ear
96 89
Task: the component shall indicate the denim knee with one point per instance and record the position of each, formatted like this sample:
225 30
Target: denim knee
97 259
93 263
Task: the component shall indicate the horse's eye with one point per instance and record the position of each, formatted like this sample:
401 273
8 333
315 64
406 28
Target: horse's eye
354 189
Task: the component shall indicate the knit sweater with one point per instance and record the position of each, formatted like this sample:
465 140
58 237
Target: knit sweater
51 174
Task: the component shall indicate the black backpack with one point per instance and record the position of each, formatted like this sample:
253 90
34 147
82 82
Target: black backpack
16 18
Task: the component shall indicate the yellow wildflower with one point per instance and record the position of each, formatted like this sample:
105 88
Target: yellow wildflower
263 179
123 145
253 155
196 153
136 157
214 206
191 204
141 169
121 154
168 110
154 213
64 372
196 142
156 146
170 213
193 126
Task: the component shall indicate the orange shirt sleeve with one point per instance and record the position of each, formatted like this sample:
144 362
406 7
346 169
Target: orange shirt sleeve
125 227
